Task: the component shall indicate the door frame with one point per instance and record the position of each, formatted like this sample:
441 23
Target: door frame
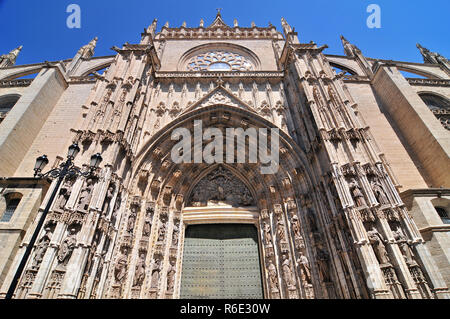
223 214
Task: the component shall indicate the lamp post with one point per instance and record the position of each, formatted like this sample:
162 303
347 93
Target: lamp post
65 169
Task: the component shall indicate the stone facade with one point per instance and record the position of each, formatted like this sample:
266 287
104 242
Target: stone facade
356 209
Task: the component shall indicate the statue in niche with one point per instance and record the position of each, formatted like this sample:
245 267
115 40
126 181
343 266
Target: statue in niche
379 192
139 274
162 232
121 267
92 251
171 275
273 278
148 222
267 236
357 194
67 247
377 242
155 273
305 268
323 263
287 272
41 248
297 234
115 210
108 198
280 229
131 219
85 195
175 233
64 194
402 242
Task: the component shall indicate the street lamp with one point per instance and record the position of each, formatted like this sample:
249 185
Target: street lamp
66 168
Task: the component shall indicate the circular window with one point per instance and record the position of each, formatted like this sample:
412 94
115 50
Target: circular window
219 61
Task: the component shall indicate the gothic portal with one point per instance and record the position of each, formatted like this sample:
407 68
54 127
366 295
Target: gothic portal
357 208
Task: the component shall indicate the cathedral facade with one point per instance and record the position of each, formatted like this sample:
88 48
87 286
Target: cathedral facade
358 207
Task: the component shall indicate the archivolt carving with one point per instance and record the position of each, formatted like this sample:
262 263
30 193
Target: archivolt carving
221 187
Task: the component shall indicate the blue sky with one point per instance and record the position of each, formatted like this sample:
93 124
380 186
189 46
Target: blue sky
40 26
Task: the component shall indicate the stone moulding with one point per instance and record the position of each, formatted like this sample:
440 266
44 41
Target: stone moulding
226 74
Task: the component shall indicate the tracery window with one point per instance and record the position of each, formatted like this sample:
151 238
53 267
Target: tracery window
219 61
6 104
440 108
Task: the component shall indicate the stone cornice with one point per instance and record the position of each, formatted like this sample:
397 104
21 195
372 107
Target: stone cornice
428 82
16 83
409 195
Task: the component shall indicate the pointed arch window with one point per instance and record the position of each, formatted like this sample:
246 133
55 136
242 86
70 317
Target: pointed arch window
7 102
12 202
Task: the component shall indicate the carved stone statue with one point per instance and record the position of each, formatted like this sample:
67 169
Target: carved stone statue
64 194
116 209
305 268
379 192
85 196
357 194
402 242
147 224
377 242
287 272
139 274
280 229
267 235
171 276
155 273
175 233
41 248
273 277
131 219
67 247
108 198
121 267
162 232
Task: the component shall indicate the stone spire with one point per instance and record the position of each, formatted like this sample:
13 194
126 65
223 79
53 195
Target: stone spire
152 28
87 51
289 33
10 58
350 50
433 57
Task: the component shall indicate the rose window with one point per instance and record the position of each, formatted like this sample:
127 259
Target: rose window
219 61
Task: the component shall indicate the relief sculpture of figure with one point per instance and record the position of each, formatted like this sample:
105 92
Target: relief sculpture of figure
155 274
357 194
171 276
377 242
175 234
121 266
41 248
85 195
139 271
267 236
67 247
402 242
287 272
108 198
280 229
273 277
305 268
64 194
162 232
131 219
323 263
379 192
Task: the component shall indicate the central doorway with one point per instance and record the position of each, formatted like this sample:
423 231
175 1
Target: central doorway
221 261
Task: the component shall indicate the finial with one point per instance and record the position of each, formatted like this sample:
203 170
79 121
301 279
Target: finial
218 12
184 24
235 23
202 23
167 24
253 24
